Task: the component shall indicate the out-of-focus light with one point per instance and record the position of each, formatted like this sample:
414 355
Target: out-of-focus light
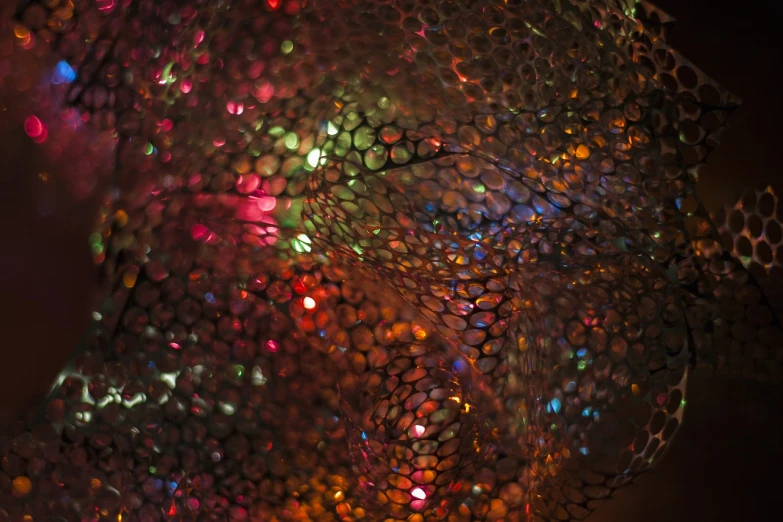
418 430
309 303
291 141
63 73
301 244
35 128
418 493
235 108
313 158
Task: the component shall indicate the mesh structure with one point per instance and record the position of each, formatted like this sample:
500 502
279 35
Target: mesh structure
382 260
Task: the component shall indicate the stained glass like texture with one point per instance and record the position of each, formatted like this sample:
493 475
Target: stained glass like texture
380 260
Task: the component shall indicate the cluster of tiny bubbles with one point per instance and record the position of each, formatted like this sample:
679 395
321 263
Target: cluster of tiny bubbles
417 428
212 399
368 260
597 376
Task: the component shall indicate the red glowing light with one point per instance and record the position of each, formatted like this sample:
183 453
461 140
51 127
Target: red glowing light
186 86
35 128
273 4
166 125
272 346
299 287
199 232
309 303
263 92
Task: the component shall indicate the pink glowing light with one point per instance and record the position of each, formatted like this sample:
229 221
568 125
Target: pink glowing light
235 108
418 430
105 6
35 128
254 209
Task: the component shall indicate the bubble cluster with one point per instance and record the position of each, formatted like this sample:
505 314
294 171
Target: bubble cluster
416 430
373 260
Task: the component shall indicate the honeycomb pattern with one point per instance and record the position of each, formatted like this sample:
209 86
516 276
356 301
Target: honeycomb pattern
374 260
416 431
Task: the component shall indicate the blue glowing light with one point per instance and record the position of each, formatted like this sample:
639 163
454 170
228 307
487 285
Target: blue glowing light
553 406
63 73
210 297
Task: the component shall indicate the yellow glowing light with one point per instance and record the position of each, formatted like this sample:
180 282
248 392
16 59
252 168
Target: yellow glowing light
129 279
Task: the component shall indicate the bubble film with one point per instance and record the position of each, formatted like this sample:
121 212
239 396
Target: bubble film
379 260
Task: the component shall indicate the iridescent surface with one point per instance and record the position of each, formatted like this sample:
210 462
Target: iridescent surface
380 260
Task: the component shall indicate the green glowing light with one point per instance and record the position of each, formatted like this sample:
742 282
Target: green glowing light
313 157
291 141
332 129
148 149
301 244
95 239
581 365
277 131
166 76
287 46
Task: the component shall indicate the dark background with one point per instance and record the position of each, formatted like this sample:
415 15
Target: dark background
725 464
